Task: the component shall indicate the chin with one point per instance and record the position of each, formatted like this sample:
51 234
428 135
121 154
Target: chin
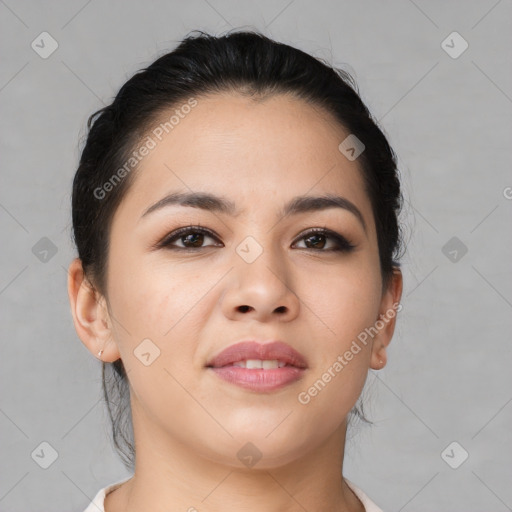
263 448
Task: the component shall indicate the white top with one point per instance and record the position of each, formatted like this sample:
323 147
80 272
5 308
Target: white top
97 504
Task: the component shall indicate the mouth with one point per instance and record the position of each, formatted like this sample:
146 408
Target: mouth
259 367
254 355
258 364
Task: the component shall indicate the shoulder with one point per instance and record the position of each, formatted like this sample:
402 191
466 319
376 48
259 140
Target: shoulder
98 503
369 505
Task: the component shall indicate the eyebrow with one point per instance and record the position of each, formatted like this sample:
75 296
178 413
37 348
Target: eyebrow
213 203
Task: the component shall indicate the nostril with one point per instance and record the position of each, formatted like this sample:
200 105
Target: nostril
244 309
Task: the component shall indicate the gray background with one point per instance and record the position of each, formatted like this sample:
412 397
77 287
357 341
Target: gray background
448 377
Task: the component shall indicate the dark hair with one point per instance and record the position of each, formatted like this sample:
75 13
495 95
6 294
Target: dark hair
245 62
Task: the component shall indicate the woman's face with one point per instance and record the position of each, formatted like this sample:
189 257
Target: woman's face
258 276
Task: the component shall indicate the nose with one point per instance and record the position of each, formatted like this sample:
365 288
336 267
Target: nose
260 290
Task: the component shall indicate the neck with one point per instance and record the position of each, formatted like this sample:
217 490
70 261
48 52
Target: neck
172 476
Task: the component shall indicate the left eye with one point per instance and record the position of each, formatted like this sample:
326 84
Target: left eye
317 237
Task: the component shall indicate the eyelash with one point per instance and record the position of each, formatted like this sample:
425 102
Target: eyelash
342 244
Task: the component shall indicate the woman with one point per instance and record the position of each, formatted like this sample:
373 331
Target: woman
235 214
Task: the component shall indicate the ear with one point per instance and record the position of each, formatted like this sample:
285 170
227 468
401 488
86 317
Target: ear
90 314
385 324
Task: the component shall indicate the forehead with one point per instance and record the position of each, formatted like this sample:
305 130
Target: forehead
258 153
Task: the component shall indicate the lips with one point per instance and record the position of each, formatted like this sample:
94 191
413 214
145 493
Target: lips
259 367
251 350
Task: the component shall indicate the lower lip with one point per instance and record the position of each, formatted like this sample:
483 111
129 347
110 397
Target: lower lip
259 380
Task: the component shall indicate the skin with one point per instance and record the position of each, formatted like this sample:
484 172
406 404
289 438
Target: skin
188 423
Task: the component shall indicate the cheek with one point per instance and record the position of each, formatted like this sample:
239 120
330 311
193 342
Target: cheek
149 298
157 312
345 300
151 302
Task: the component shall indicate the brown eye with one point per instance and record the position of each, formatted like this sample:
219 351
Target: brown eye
195 239
190 237
317 239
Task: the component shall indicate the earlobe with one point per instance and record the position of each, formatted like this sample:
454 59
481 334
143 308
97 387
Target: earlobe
385 325
378 359
90 314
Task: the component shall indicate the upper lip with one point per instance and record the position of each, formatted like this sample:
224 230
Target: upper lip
253 350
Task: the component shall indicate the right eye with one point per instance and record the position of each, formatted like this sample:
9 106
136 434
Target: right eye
191 238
